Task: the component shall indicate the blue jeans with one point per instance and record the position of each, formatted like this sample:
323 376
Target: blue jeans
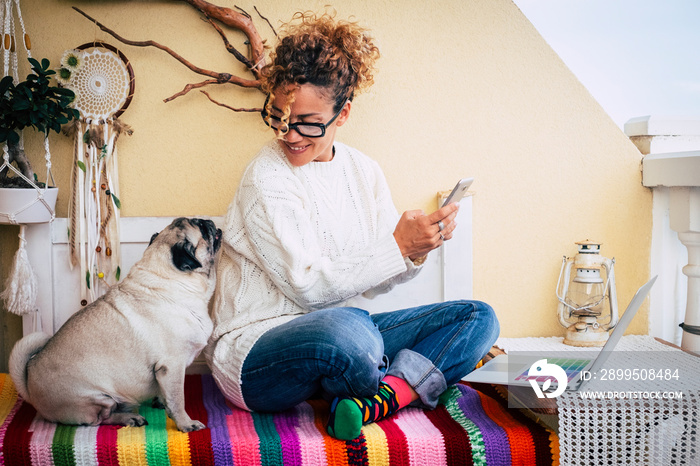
346 351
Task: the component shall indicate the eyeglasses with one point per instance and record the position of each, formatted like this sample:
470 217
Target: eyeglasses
308 130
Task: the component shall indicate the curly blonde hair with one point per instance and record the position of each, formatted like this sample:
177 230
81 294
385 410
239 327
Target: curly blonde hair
336 55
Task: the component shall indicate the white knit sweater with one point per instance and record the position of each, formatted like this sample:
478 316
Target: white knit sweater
295 240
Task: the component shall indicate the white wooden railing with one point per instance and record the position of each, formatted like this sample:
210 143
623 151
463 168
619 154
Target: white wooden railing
671 167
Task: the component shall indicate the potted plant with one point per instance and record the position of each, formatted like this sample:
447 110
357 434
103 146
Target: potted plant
34 103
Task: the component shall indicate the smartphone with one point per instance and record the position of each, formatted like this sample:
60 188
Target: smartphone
459 191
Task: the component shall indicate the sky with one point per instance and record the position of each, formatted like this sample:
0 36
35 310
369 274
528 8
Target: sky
636 57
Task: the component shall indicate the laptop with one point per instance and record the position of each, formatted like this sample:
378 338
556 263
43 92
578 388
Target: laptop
504 371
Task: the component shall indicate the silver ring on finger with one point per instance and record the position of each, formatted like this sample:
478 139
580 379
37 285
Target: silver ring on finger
442 237
441 226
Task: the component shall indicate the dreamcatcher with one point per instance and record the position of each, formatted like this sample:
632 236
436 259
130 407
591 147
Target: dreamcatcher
103 81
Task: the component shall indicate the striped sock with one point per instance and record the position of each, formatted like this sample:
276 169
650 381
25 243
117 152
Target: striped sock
349 414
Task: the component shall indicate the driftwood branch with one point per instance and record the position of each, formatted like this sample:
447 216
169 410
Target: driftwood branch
268 21
250 110
235 19
233 50
189 87
243 12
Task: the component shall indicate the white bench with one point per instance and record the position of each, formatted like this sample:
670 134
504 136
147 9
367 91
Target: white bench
446 275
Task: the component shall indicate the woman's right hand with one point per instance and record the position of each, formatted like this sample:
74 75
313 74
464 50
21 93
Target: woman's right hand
417 233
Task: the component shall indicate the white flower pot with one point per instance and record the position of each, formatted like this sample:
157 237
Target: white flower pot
20 205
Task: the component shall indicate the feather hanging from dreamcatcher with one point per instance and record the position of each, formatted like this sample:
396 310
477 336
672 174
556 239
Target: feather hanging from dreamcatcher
103 81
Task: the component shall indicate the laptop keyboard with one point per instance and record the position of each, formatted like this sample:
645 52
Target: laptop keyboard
572 367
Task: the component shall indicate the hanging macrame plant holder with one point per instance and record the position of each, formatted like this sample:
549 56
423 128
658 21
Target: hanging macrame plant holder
104 87
21 206
35 204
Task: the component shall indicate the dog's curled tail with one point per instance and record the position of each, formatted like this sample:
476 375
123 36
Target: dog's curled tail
20 356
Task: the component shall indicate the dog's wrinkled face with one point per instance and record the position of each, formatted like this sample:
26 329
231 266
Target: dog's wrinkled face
193 243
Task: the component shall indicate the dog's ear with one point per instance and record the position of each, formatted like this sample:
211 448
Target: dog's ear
184 256
153 238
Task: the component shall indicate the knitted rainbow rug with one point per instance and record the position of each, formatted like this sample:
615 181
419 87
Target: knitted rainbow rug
472 425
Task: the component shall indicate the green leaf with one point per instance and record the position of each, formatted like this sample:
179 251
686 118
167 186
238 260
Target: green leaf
5 84
21 105
34 63
64 91
116 200
81 165
86 137
119 273
87 278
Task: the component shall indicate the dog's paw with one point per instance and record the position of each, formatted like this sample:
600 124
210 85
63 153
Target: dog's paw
190 426
126 419
157 403
136 420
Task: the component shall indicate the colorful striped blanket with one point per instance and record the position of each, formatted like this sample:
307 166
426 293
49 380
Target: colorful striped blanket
470 426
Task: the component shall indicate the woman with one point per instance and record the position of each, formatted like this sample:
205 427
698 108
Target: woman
313 225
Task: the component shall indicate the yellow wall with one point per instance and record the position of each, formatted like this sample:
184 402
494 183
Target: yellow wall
465 88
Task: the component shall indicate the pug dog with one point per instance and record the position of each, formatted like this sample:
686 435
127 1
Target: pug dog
131 345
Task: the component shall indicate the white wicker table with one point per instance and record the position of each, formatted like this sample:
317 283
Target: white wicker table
649 425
